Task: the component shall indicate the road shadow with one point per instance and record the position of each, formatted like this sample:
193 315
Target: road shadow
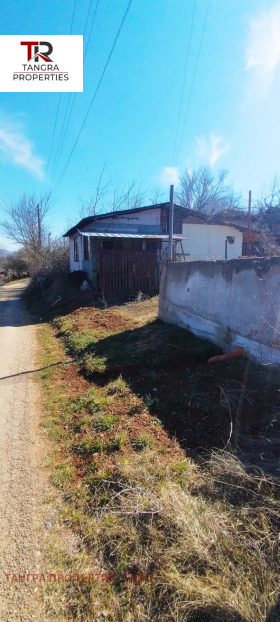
21 375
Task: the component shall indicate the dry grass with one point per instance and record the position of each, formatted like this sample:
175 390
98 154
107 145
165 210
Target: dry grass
208 534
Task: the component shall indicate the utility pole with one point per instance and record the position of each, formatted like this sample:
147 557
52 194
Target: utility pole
171 218
249 224
39 227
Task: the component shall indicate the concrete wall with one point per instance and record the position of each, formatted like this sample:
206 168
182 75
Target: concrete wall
208 241
232 303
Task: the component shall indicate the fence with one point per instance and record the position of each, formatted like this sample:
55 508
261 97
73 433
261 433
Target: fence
129 270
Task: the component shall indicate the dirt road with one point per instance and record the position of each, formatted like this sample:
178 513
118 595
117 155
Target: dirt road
21 488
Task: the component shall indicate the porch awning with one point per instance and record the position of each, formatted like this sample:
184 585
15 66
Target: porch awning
133 236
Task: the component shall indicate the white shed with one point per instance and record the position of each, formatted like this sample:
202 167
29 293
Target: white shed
204 241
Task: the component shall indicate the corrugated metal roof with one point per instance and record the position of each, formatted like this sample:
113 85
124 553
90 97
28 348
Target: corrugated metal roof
133 236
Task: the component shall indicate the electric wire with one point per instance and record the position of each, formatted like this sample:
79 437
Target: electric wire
95 92
53 134
92 24
73 15
59 101
193 80
184 83
87 18
73 97
61 137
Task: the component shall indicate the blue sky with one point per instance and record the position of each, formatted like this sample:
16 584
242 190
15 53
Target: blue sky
189 84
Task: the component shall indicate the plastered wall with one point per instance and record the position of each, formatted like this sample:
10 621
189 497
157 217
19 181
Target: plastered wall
233 303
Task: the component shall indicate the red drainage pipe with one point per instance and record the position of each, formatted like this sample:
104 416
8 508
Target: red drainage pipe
226 357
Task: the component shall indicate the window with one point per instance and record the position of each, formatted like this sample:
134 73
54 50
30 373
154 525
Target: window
76 251
86 248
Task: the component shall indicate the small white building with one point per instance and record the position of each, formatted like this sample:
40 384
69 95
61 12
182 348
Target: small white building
204 241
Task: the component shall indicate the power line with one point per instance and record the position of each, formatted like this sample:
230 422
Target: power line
184 83
194 76
73 96
58 153
96 91
59 101
60 144
73 15
53 134
92 23
88 14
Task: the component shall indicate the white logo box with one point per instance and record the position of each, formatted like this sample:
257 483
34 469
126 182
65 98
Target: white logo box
24 67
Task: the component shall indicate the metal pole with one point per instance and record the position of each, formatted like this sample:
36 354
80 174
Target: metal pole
249 224
171 218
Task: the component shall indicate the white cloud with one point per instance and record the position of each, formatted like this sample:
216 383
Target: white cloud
18 149
170 175
263 47
212 148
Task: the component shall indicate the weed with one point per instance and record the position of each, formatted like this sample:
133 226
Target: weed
116 443
117 387
93 364
86 446
63 325
155 423
142 441
151 402
63 473
105 423
79 341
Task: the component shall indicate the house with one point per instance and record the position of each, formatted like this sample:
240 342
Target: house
123 250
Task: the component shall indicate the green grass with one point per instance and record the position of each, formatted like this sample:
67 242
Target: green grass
142 441
63 473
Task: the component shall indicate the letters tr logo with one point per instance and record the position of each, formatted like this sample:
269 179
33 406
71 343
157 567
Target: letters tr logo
37 45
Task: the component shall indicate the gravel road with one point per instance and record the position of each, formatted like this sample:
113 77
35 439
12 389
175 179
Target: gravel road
21 480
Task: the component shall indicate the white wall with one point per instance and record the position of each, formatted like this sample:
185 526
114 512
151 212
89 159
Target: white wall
232 303
208 241
127 222
76 265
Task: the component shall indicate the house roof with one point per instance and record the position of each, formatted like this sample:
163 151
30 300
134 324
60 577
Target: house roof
128 236
91 219
234 217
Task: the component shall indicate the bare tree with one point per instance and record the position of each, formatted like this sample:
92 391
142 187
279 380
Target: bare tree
25 223
157 195
268 206
17 264
111 195
203 191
